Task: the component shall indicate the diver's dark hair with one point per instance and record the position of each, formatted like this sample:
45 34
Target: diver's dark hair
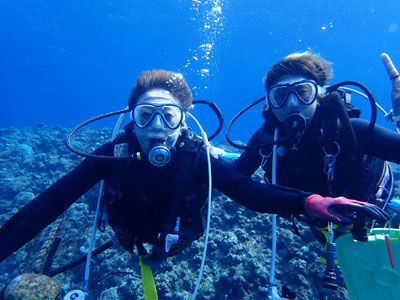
162 79
306 64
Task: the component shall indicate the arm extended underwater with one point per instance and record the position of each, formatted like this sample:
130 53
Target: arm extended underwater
47 206
394 76
268 198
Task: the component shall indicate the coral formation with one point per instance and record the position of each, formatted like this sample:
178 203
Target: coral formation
239 251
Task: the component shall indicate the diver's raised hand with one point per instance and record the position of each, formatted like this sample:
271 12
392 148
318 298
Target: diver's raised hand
395 78
342 210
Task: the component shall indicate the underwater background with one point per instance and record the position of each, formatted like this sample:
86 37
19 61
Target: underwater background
238 260
62 62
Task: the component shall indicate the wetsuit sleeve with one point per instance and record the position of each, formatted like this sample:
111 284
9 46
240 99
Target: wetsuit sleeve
384 143
260 197
51 203
250 159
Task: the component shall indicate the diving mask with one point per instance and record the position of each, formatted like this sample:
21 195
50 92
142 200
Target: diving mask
305 90
144 113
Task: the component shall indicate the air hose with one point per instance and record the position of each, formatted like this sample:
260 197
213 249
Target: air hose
207 145
94 227
273 258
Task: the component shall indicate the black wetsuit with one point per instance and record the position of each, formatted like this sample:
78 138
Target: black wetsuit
302 167
146 193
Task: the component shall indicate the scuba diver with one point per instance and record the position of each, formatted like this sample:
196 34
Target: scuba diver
156 177
323 147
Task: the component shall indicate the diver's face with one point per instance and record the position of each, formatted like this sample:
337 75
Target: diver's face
292 104
161 110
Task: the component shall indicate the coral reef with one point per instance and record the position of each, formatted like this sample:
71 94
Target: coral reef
239 251
33 287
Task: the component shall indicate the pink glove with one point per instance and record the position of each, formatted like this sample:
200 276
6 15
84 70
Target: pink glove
342 210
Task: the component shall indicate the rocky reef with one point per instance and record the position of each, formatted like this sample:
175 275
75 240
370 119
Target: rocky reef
239 250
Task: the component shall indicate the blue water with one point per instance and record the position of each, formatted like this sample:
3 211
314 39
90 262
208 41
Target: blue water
62 62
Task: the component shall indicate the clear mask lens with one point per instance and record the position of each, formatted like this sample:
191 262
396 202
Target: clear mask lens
306 91
144 113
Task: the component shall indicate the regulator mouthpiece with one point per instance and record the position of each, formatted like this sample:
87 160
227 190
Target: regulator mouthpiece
159 155
295 125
